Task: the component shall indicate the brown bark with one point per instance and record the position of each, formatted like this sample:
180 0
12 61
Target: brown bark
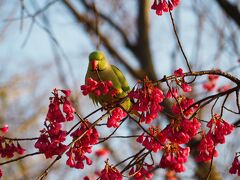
231 10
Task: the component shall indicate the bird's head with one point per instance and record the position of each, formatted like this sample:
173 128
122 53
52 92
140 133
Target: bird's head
97 61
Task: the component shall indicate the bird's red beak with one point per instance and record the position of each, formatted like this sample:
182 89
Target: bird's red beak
94 65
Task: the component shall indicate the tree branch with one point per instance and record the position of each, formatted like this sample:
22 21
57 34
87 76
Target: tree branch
89 24
231 10
112 23
142 48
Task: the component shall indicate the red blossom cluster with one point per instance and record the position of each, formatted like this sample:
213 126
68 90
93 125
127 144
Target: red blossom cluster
83 138
4 129
181 131
54 112
110 173
8 148
51 140
141 171
218 129
224 88
98 88
206 149
52 137
172 93
184 104
147 101
235 169
174 157
95 175
178 81
116 116
211 83
161 6
155 141
102 152
178 72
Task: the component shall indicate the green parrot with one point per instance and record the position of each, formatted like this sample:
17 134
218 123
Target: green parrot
99 69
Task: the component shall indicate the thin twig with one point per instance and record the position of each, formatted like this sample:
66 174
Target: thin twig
20 139
121 137
139 160
84 119
28 33
179 43
211 163
112 23
21 14
214 104
146 130
105 139
178 103
96 24
130 157
206 72
237 101
230 110
223 104
212 97
21 157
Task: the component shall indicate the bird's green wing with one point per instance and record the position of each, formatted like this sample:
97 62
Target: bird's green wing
127 104
107 72
121 78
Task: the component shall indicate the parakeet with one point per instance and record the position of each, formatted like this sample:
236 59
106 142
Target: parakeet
99 69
